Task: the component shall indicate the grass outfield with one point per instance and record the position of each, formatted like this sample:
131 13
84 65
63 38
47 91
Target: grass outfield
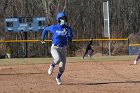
19 61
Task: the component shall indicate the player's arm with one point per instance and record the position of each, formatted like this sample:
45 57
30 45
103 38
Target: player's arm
50 29
70 35
43 35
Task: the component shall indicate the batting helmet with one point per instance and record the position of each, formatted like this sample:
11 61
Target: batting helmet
59 15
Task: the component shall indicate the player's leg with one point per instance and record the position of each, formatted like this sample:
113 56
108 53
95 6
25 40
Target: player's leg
56 57
135 62
91 53
8 56
61 65
85 53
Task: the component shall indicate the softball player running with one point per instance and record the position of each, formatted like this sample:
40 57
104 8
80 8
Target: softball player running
62 34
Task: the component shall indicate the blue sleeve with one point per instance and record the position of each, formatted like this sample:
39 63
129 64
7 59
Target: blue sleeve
70 35
49 28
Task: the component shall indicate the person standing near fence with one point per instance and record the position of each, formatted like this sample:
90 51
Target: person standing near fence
62 34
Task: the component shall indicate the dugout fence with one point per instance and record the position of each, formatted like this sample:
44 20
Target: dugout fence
76 48
134 49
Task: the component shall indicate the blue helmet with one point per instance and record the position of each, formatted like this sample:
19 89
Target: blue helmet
59 15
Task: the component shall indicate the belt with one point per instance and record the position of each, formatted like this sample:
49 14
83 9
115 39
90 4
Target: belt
58 45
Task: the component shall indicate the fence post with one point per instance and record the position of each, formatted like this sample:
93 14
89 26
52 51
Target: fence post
26 45
128 48
102 48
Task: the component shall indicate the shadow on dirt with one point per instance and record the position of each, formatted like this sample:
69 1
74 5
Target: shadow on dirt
102 83
19 74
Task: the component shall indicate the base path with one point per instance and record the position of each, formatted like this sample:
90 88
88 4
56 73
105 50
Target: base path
88 76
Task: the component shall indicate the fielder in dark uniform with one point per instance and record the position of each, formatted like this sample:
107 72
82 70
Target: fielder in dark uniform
89 49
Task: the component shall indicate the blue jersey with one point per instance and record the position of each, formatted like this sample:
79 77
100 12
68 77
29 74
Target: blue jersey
61 34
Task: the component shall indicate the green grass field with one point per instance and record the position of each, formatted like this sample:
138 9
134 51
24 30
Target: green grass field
19 61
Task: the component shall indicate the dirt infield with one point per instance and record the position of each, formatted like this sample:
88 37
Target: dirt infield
88 76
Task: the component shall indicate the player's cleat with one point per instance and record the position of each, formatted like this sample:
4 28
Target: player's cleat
91 57
58 81
50 70
88 55
82 58
135 62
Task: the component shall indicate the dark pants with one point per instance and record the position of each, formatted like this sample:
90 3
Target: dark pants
138 57
90 52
